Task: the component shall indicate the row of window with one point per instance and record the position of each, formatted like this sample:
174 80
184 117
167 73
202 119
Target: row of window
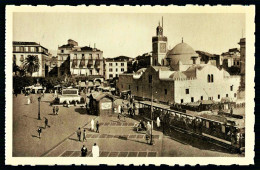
111 75
83 56
28 49
188 90
111 64
209 98
91 72
111 70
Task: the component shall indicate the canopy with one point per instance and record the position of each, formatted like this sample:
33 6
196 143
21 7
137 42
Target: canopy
225 100
207 102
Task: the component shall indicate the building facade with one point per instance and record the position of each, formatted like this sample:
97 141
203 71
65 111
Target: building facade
86 61
116 66
21 50
230 58
64 57
198 82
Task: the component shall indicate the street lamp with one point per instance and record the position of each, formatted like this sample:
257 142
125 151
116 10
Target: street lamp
39 111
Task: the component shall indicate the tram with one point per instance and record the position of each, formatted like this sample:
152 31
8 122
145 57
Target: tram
215 128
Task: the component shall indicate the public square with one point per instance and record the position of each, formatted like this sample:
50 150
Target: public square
116 138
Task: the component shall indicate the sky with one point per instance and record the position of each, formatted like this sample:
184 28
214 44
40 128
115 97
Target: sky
129 34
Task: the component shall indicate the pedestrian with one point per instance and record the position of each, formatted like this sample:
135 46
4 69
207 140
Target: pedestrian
84 151
31 99
92 125
54 110
148 126
39 132
79 133
158 122
95 150
231 111
84 135
57 110
119 109
118 116
97 127
46 123
28 100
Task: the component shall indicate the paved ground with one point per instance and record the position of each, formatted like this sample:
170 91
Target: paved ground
116 138
25 125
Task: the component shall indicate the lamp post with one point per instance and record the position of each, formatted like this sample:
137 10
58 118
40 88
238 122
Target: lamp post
151 142
39 111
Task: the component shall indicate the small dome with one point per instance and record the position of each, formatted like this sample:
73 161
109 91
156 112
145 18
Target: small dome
178 75
181 48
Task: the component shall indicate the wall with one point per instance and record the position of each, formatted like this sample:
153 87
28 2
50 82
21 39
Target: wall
114 67
176 90
200 87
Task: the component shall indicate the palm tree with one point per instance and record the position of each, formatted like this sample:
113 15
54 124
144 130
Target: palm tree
15 68
31 64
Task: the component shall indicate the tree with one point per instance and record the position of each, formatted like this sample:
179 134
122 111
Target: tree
15 68
31 64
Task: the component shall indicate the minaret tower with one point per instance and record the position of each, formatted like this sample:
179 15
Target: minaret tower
159 47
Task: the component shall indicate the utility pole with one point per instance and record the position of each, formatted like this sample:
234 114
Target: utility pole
151 142
39 110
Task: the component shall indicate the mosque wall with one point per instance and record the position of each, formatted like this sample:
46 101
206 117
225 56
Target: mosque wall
187 91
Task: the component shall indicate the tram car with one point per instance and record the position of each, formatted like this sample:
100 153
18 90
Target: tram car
216 128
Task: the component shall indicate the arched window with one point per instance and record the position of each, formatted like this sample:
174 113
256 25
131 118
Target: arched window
212 78
208 78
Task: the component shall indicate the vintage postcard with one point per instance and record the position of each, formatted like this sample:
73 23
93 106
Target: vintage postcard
130 85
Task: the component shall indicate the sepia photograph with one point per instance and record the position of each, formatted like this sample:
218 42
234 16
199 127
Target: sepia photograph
141 85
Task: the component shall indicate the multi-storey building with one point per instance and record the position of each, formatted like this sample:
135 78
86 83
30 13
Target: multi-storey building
21 50
115 66
86 61
230 58
64 57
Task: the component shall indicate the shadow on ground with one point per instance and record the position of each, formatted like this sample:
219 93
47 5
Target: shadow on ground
82 110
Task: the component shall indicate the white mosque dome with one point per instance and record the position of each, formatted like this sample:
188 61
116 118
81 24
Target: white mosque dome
181 53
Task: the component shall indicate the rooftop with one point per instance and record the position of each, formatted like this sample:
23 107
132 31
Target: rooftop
24 43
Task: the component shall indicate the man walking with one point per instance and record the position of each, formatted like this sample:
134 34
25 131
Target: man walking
84 135
97 126
46 123
79 133
84 151
39 132
54 110
57 110
95 150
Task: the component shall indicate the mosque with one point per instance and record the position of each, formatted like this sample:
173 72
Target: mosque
177 76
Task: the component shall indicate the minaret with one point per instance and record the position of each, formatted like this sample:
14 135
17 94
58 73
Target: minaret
159 46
